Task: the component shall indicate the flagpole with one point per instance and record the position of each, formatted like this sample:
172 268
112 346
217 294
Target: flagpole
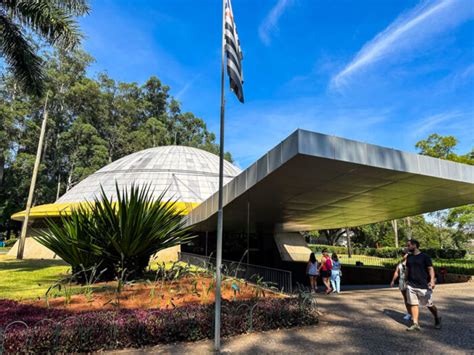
24 227
217 328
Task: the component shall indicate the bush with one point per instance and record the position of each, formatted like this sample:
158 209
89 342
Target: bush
446 253
391 252
93 331
10 242
318 248
116 236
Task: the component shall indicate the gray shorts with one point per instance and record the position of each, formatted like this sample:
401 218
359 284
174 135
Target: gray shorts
419 296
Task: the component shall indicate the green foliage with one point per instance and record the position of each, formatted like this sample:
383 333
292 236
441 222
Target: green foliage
390 252
318 248
118 236
92 122
10 242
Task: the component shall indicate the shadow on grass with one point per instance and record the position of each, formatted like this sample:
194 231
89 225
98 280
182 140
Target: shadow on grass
29 265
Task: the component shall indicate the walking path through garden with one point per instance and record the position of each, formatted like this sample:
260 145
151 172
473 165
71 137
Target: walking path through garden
360 321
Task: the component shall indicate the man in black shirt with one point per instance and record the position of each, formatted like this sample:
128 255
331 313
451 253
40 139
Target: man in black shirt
421 283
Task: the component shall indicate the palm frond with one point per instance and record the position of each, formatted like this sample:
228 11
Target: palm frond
74 7
19 54
55 24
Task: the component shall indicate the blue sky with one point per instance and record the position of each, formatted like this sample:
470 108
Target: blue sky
387 72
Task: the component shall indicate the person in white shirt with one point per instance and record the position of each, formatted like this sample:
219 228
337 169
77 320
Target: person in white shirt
312 272
400 273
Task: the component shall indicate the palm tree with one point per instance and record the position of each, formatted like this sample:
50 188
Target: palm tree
50 20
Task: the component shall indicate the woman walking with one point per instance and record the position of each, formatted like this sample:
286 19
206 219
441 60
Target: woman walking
336 273
312 272
325 269
400 273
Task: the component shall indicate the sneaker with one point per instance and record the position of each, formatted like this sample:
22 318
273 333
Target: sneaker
407 317
438 323
414 328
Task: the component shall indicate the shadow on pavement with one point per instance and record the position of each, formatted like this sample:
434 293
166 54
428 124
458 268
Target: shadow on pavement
396 316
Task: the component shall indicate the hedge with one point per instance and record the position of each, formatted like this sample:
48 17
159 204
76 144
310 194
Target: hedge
390 252
62 331
10 242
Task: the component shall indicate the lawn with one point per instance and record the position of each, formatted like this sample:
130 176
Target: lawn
28 279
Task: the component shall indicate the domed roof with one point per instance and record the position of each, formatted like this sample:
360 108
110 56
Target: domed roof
189 174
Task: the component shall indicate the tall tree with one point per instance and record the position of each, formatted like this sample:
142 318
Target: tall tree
92 121
443 147
51 20
455 226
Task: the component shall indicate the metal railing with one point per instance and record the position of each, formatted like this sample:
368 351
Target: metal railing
278 278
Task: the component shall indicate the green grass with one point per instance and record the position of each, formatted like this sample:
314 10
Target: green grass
460 266
28 279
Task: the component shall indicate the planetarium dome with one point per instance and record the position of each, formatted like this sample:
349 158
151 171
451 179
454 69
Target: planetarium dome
187 175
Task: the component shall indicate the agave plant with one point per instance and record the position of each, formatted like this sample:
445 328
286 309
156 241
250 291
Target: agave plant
117 235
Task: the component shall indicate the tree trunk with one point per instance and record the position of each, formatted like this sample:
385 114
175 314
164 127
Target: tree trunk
395 231
69 178
409 231
2 167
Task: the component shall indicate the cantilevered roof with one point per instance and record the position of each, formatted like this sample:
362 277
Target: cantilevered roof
314 181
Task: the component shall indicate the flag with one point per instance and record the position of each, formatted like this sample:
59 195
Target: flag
233 53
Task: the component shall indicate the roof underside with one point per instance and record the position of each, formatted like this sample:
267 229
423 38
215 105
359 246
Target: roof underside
312 181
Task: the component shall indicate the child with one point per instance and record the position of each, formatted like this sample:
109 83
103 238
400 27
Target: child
312 272
336 274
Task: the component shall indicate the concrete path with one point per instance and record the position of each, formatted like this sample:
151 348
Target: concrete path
362 321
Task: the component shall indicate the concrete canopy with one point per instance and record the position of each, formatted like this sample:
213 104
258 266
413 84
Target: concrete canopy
313 181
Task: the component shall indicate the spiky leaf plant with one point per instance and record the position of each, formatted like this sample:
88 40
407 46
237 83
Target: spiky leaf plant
117 235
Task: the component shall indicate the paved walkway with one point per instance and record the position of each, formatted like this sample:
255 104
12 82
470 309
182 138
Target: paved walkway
363 321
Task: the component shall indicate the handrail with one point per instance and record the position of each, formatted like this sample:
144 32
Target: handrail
283 278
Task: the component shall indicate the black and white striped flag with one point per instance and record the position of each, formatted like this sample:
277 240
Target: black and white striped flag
234 54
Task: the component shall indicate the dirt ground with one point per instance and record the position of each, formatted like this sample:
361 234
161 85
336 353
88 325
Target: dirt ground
185 291
364 321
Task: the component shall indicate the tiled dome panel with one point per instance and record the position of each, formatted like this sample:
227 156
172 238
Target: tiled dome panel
186 174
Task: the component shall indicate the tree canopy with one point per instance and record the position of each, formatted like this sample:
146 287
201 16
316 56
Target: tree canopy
92 122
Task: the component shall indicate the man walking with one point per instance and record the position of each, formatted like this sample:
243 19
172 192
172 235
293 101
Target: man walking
420 290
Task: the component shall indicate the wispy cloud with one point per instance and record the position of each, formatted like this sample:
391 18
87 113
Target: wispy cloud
406 33
186 87
444 123
270 23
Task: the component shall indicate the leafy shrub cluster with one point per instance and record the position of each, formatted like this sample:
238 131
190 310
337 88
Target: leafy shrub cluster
92 331
318 248
390 252
116 237
10 242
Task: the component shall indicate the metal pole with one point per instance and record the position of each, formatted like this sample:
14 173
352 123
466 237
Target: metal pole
217 326
248 232
24 228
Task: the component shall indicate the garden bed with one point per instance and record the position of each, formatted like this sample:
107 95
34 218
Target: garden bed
40 329
188 290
